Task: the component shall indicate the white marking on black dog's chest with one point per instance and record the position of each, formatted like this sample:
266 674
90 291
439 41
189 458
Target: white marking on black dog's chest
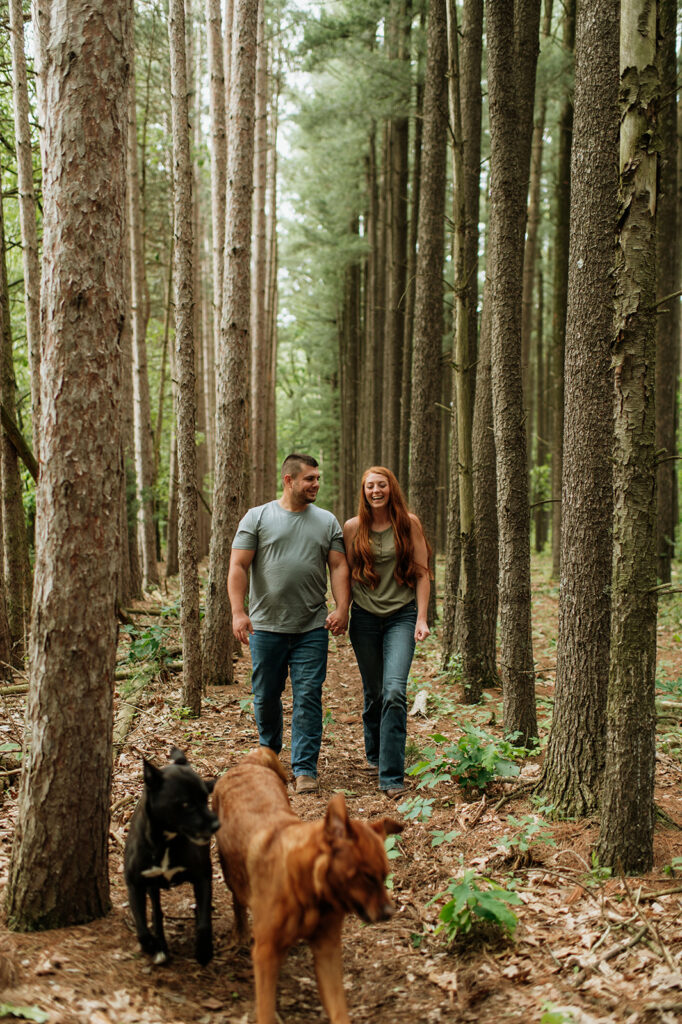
164 869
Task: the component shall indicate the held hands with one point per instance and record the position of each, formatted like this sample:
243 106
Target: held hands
336 622
421 630
241 626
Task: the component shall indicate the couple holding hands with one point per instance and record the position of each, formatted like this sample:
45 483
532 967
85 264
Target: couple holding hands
380 561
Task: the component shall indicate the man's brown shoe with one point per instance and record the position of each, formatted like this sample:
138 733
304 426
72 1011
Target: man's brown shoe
306 784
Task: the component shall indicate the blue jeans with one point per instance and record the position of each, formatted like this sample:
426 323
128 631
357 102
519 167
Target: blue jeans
384 648
304 656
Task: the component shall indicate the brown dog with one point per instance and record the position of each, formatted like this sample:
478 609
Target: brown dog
299 878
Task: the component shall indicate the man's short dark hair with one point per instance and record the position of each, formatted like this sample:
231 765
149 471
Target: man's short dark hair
293 464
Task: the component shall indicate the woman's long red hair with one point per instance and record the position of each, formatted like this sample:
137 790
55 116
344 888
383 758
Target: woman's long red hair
362 556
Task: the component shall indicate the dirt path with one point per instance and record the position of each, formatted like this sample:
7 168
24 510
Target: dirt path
564 952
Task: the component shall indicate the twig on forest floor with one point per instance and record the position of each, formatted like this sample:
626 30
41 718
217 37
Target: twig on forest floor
622 946
5 773
14 688
665 952
660 892
666 817
524 787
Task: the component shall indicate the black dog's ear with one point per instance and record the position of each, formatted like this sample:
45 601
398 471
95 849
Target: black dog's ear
153 778
210 783
177 756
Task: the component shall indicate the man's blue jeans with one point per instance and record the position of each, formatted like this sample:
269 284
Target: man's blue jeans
384 648
304 656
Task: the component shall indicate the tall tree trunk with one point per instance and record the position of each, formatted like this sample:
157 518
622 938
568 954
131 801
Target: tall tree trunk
271 299
17 569
259 348
667 283
27 210
406 392
561 246
232 414
627 806
470 105
467 591
575 754
541 446
512 57
216 99
428 311
144 458
130 577
59 868
185 364
485 499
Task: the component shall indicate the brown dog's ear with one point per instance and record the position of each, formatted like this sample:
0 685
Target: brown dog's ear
336 823
387 827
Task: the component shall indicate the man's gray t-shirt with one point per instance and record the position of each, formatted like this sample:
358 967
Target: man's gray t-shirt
289 570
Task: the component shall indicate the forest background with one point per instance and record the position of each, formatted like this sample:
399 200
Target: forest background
439 237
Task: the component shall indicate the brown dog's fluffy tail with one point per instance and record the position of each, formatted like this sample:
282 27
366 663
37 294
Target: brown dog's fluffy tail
268 758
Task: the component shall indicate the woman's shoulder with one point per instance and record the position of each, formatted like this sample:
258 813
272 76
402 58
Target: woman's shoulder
351 524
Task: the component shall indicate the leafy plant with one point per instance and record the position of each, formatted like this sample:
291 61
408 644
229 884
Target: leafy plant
670 869
473 761
148 644
528 830
597 874
440 836
393 850
470 904
246 705
555 1016
417 807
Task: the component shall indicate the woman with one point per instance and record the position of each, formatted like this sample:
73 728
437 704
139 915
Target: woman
390 579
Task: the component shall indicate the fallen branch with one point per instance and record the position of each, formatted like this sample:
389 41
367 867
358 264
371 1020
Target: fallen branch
524 787
661 892
6 691
664 951
622 946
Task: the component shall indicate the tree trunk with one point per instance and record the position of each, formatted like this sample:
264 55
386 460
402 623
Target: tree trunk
232 413
627 807
561 243
185 364
144 458
271 300
428 312
59 868
406 392
27 210
668 315
512 57
17 569
259 347
575 754
540 494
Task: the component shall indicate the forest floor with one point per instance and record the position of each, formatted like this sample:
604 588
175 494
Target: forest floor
586 947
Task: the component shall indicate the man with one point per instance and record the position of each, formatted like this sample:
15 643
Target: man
288 545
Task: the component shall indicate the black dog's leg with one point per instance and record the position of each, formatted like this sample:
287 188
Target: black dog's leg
203 948
160 950
137 898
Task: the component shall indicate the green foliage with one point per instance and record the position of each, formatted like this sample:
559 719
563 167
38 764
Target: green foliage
527 831
470 903
597 874
417 807
392 847
440 836
552 1016
670 869
473 761
246 705
148 644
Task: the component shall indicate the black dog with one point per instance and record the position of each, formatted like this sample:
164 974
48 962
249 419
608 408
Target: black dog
169 843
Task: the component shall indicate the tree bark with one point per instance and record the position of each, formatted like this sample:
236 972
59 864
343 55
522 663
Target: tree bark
259 347
144 458
627 808
27 210
667 272
428 312
17 569
59 868
561 244
512 58
232 412
184 250
575 754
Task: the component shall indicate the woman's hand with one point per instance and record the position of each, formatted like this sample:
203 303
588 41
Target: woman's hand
421 630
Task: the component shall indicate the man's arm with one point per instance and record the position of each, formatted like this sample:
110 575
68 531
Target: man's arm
337 621
237 579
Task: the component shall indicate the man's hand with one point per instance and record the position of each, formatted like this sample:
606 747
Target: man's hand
337 622
241 626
